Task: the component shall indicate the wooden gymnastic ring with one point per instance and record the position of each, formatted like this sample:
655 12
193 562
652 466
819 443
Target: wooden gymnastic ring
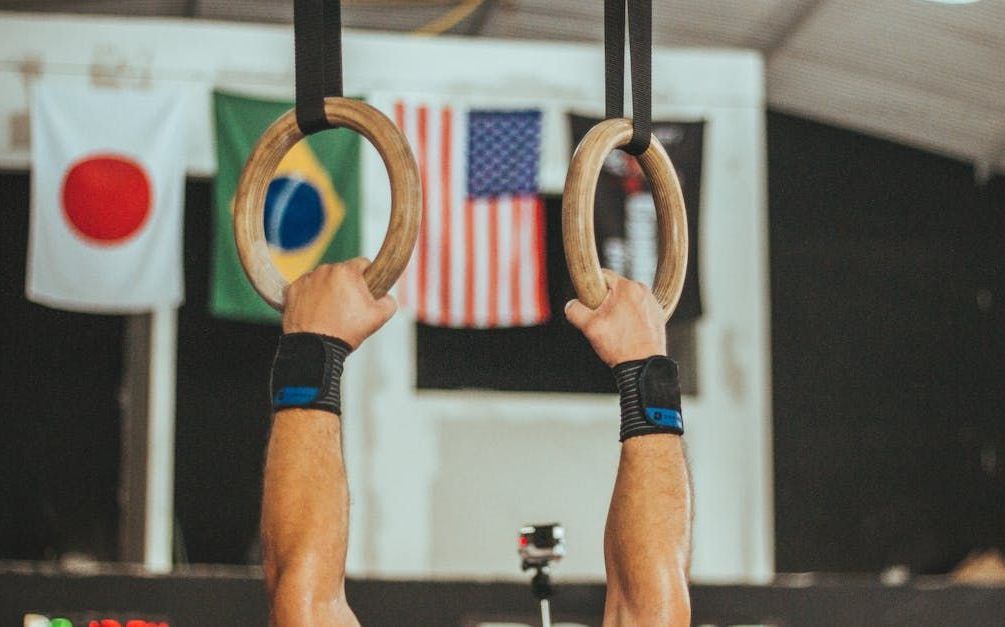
577 216
406 197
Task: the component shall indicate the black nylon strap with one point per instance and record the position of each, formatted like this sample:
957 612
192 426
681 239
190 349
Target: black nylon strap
317 36
650 397
614 57
307 372
640 31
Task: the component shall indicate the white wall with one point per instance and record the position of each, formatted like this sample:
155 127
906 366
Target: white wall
442 480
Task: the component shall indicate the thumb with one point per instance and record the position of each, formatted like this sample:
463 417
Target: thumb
577 313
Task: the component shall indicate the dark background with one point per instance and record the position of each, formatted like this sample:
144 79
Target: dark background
887 371
887 341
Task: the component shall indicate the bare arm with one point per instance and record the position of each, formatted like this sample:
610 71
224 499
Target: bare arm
305 520
647 541
648 536
305 503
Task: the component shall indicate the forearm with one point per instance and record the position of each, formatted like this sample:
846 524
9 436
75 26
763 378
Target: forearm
647 541
305 514
327 313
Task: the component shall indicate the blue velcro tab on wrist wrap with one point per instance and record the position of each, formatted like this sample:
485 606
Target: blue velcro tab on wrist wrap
307 372
650 397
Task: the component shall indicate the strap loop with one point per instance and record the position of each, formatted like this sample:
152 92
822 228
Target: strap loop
317 36
640 14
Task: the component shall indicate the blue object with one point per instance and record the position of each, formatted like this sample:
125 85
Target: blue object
294 213
294 396
504 150
665 417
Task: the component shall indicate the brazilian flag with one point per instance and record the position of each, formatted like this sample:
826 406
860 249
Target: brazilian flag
311 206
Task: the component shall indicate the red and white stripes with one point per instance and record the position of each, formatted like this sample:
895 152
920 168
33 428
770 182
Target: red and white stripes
479 262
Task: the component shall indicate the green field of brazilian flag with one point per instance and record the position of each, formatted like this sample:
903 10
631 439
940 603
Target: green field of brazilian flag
311 210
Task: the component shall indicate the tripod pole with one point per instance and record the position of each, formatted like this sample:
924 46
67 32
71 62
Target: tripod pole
545 613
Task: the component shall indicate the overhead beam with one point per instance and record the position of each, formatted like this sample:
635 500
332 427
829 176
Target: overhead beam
793 24
481 17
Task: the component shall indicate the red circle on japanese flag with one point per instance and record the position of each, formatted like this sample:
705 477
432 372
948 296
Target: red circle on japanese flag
106 198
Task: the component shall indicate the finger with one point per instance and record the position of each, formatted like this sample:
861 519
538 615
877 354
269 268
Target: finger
315 275
640 288
288 292
358 264
613 278
577 313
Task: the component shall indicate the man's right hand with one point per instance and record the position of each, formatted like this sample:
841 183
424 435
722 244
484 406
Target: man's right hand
334 300
628 325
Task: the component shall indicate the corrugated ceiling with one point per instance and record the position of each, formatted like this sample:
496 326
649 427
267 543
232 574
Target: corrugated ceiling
919 72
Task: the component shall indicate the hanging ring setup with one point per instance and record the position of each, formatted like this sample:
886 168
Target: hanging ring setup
577 216
406 197
635 137
320 106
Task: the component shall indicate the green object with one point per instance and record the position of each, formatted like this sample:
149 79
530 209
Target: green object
60 622
319 176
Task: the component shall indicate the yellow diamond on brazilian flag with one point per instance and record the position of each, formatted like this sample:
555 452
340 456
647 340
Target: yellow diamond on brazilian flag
302 213
311 204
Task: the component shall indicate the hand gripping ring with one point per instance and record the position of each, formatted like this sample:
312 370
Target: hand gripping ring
406 197
577 216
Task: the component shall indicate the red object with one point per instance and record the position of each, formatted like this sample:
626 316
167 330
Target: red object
106 199
446 127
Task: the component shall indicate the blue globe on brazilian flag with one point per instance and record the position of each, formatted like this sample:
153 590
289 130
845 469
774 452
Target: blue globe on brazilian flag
302 212
311 205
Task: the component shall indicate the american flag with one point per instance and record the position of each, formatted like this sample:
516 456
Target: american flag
480 258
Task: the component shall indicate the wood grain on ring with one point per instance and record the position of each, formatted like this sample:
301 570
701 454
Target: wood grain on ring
577 216
272 146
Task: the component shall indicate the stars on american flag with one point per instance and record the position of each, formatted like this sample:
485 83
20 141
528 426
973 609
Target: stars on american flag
504 152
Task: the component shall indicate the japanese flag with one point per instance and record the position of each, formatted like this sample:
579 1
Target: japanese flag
108 182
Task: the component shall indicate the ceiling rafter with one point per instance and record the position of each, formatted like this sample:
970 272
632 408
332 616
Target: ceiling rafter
920 73
795 22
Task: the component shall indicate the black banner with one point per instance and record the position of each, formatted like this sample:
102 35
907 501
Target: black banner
625 219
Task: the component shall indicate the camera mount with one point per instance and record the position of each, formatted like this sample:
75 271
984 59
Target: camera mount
539 545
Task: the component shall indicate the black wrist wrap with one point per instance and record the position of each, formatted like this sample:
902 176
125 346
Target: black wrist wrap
650 397
307 372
